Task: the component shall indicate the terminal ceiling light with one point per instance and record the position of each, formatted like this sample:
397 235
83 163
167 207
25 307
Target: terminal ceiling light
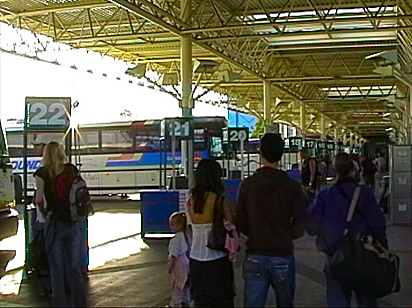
385 115
228 76
205 66
169 79
137 71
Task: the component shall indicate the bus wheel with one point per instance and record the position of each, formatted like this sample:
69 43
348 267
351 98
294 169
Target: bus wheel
18 188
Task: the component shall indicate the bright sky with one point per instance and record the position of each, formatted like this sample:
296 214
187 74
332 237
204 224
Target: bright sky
101 98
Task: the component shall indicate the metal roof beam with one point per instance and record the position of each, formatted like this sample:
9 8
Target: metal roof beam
57 9
121 37
261 35
278 23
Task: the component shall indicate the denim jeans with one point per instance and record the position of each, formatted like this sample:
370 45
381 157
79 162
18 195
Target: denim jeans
63 242
260 272
339 296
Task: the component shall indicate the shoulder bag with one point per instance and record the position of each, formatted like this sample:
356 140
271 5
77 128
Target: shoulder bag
217 236
362 264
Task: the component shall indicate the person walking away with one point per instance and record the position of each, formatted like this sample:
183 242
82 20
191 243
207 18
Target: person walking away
327 221
211 271
270 212
381 166
368 171
62 237
178 261
356 169
309 174
38 247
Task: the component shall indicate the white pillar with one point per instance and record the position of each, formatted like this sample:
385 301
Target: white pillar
187 103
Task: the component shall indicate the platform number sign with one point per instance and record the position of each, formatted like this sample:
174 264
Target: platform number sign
295 142
235 135
310 144
330 146
48 112
180 128
321 146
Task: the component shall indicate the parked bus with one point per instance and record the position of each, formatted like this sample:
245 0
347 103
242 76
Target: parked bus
121 157
9 218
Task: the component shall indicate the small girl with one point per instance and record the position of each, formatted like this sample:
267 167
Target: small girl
178 261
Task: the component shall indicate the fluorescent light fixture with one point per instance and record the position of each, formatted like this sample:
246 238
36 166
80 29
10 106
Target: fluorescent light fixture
389 129
386 114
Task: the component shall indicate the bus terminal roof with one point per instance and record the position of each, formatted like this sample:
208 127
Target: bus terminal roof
312 51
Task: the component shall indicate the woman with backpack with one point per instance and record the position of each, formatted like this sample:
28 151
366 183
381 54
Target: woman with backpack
327 221
62 236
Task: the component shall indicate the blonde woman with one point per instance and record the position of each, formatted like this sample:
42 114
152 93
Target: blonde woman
63 237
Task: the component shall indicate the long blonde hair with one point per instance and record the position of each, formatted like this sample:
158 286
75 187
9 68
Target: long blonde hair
54 158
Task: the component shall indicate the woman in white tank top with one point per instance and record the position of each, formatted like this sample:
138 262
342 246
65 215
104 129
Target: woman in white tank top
212 276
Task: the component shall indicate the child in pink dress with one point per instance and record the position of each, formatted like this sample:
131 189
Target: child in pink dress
178 261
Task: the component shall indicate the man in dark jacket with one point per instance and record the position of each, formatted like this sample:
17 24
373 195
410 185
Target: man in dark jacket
271 213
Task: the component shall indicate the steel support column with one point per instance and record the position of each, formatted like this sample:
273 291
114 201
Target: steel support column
335 139
267 109
303 121
409 123
323 127
187 103
352 139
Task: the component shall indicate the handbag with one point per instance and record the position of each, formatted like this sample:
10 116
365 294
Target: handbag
217 235
362 264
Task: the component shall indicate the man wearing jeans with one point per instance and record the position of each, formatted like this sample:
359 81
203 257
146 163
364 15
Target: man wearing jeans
271 213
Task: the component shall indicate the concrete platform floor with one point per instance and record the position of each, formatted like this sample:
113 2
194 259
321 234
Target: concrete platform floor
141 279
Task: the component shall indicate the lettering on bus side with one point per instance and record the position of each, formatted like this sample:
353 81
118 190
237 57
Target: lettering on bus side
31 164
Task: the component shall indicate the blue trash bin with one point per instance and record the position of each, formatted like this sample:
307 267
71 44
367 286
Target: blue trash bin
156 208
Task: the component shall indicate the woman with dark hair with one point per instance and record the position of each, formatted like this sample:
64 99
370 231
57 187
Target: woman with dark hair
211 271
327 221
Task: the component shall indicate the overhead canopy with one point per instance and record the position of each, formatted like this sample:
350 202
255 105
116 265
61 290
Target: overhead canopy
313 51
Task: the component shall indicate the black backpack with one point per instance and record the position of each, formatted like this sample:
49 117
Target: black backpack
72 196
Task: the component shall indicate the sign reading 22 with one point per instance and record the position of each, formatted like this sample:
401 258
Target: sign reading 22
53 114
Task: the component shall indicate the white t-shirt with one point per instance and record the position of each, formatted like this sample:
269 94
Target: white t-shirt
178 245
40 190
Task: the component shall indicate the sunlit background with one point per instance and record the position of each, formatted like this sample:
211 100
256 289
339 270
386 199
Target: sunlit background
105 93
99 83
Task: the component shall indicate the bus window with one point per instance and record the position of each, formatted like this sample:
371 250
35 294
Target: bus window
200 143
216 149
147 139
116 141
88 142
15 144
253 146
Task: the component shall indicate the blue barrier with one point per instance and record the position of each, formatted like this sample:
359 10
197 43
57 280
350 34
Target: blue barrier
232 189
294 174
156 208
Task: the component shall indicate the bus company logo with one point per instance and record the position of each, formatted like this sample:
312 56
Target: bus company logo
31 164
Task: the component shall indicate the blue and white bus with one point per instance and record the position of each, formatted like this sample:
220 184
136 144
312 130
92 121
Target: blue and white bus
119 157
